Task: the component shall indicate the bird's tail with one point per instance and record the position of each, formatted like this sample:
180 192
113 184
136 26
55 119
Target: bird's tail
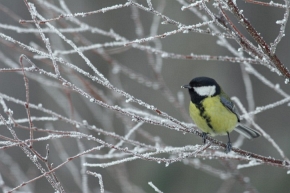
247 131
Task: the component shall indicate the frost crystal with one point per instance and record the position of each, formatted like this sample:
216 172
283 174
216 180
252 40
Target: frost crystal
129 100
116 69
280 22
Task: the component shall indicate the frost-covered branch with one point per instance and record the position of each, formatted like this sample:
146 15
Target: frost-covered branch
97 86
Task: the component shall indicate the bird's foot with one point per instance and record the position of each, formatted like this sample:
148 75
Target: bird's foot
204 137
228 147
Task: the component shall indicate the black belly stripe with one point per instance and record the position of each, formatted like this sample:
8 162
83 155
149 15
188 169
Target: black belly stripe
201 109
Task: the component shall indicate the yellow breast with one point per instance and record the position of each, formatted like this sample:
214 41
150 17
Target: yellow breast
212 117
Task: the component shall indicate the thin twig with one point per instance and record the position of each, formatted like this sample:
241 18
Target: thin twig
27 99
264 46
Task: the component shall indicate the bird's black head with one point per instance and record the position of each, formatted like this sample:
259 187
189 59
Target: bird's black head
202 87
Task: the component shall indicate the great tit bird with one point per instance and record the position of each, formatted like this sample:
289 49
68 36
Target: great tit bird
213 111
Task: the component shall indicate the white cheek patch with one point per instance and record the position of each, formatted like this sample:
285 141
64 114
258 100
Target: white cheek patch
205 90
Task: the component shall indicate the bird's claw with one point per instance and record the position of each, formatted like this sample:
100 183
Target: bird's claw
204 137
228 147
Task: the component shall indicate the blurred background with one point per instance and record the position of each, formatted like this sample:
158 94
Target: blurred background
147 76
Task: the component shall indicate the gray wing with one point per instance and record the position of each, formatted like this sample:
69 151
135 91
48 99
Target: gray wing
230 106
242 129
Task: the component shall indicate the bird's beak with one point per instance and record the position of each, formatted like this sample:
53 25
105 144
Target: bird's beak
186 86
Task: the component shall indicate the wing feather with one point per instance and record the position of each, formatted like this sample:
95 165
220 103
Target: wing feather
242 129
229 105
